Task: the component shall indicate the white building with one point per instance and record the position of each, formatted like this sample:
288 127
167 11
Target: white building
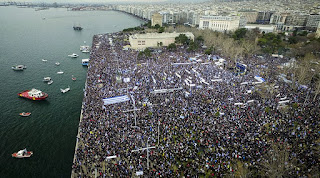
219 23
262 28
142 41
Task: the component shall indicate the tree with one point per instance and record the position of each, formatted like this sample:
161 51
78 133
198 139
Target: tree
277 162
199 39
193 46
292 40
270 43
209 50
161 30
147 52
172 47
182 39
239 34
157 26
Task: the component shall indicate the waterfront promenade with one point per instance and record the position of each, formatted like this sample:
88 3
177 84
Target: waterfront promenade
188 117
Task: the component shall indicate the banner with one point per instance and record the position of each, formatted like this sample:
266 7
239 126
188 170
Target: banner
116 99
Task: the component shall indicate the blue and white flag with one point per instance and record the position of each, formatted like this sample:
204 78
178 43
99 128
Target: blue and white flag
116 99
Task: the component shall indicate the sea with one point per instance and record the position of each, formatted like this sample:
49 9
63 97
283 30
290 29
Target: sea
26 37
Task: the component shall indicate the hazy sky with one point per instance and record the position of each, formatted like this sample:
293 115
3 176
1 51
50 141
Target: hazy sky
106 1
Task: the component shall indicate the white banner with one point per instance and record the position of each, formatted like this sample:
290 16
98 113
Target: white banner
116 99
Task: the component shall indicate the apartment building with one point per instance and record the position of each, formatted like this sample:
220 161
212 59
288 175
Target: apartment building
219 23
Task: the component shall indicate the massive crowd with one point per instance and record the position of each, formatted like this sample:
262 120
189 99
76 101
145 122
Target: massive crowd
197 117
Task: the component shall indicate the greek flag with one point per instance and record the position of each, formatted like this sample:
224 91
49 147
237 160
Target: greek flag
116 99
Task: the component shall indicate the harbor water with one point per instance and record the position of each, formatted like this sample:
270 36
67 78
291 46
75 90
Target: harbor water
28 36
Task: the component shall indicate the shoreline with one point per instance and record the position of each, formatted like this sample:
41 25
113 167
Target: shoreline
78 135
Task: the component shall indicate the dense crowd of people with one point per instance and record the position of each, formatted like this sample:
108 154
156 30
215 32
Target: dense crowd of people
188 115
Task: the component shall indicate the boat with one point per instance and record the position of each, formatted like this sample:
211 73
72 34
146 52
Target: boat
85 62
60 72
73 78
78 28
84 47
44 60
22 154
65 90
46 79
57 63
19 67
25 114
50 82
86 50
33 94
73 55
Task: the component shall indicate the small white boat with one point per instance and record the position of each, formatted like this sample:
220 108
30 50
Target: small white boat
50 82
25 114
65 90
19 67
84 47
23 154
86 51
46 79
44 60
73 55
73 78
57 63
60 72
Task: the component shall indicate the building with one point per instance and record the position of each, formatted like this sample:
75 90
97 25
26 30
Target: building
142 41
220 23
250 16
264 17
313 21
297 19
262 28
156 19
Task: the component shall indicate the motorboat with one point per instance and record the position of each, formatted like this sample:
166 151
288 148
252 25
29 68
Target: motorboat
44 60
84 47
65 90
60 72
73 78
25 114
57 63
33 94
85 62
22 154
19 67
46 79
86 50
73 55
50 82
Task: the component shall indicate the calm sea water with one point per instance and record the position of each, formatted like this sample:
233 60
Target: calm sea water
50 132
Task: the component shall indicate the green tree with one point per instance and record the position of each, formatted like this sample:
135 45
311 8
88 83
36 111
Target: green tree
209 50
147 52
172 47
161 30
193 46
199 39
270 43
292 40
157 26
182 39
239 34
